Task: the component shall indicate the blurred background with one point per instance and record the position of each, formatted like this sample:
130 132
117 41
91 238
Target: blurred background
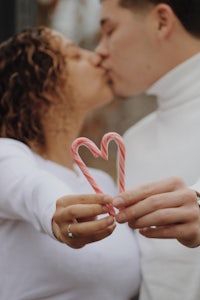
79 21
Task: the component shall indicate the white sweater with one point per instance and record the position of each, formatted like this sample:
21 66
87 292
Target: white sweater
167 143
33 264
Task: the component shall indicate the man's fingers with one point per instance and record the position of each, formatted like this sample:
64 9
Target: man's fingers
180 198
152 188
186 235
162 217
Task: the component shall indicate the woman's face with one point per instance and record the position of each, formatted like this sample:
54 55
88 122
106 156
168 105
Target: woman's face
87 81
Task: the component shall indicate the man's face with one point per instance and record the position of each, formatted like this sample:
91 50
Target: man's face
128 47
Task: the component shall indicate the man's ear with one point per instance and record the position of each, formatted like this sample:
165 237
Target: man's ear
165 20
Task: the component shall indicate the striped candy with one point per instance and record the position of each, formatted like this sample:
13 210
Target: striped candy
82 141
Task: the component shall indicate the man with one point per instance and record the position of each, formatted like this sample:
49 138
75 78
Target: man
154 46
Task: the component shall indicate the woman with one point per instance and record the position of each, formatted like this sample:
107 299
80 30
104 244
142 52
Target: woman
48 86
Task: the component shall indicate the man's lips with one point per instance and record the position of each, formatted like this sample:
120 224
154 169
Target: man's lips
109 77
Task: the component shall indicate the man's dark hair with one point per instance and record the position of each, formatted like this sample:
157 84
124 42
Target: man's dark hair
187 11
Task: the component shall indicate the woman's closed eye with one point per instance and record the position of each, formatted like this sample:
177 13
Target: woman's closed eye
73 52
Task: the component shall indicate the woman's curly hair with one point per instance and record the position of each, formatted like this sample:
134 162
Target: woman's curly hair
31 78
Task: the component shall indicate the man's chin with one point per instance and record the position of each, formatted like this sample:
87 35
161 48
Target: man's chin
119 94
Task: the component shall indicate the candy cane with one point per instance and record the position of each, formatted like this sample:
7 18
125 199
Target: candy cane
95 151
101 153
121 166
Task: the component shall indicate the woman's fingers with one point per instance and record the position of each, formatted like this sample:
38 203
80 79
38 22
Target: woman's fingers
79 211
79 242
86 232
84 199
75 220
86 229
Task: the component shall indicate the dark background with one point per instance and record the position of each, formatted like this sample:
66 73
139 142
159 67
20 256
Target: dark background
15 15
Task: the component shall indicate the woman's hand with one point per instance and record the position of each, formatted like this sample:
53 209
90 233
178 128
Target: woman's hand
80 212
162 209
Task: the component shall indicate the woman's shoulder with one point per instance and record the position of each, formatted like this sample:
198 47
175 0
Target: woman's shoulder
10 142
9 146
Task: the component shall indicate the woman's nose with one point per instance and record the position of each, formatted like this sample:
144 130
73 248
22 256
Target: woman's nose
95 59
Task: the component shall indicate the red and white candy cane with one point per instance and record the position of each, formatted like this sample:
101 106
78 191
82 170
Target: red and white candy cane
121 159
82 141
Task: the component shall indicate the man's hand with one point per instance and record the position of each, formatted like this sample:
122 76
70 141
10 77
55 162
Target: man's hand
162 209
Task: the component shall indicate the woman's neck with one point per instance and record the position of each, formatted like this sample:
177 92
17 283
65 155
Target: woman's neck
59 140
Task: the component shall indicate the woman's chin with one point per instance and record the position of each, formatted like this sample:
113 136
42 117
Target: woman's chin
109 96
104 100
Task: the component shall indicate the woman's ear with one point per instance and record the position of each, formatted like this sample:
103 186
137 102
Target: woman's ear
165 20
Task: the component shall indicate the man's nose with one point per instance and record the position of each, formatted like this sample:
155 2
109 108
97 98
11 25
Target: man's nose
101 50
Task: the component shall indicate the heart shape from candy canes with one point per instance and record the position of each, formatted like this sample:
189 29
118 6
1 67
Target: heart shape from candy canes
82 141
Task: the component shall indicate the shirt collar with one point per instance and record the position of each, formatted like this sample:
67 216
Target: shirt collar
179 85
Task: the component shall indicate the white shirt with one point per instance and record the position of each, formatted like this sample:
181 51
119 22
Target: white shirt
33 264
167 143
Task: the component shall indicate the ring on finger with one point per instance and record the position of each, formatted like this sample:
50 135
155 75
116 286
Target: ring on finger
69 233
